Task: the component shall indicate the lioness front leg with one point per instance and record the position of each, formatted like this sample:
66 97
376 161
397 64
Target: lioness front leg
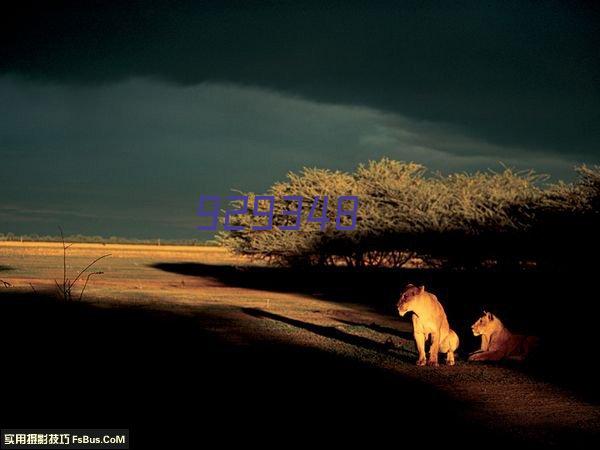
485 343
420 341
486 356
434 350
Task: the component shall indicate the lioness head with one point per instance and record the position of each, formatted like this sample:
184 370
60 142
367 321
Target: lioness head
484 325
409 295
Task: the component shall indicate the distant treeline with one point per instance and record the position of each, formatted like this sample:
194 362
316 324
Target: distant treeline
100 239
490 218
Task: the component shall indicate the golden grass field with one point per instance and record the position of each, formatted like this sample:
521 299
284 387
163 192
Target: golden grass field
501 398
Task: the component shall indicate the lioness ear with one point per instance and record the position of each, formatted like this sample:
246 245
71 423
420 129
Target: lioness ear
422 288
490 316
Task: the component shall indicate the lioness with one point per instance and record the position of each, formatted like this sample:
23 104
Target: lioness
497 342
429 319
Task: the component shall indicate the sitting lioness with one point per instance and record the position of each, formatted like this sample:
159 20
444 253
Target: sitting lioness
497 342
429 319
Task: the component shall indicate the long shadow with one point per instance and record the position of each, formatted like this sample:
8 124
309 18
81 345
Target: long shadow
174 382
333 333
558 307
378 328
5 268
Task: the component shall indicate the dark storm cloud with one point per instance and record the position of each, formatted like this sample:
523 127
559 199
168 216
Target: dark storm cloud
519 74
131 158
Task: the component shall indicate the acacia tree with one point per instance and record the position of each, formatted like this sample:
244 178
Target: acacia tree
405 211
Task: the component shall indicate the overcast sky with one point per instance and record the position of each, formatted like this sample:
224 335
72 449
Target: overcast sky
114 121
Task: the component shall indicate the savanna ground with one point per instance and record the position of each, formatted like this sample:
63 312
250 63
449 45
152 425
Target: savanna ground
190 344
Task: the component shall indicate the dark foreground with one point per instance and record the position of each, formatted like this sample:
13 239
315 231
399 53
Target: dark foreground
216 375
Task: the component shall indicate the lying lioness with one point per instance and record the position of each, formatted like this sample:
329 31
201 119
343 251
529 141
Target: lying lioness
497 342
429 319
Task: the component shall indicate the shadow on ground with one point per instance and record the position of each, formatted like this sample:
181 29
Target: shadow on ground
173 382
332 333
561 308
378 328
